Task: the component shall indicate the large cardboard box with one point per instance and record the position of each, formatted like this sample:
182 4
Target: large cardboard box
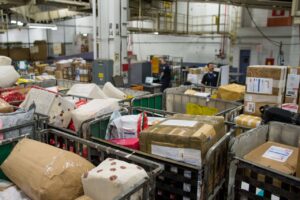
19 53
185 138
276 156
59 74
298 161
44 172
231 92
265 85
39 51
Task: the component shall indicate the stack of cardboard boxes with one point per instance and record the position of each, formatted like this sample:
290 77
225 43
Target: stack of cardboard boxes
265 85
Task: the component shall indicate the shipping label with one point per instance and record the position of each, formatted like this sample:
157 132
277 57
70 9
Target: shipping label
278 153
259 85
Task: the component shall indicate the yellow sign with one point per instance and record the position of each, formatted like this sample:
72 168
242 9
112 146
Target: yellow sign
101 75
155 65
194 109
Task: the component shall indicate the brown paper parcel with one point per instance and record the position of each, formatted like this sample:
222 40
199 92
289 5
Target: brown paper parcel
44 172
201 135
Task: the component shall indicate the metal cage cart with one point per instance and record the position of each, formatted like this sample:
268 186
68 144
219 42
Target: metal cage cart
248 180
185 181
176 101
96 153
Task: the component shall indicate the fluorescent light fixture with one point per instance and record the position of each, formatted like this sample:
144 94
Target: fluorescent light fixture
20 23
42 26
85 34
156 33
13 21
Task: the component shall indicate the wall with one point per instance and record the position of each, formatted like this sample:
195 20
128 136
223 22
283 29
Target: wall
65 33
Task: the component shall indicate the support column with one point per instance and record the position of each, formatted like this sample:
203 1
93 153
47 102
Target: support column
112 20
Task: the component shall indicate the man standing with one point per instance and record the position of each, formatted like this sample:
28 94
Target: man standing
165 77
211 77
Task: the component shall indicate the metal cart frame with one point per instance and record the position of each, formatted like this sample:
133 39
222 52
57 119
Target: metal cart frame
243 172
98 153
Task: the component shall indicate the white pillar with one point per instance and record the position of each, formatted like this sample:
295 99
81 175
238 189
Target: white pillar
113 31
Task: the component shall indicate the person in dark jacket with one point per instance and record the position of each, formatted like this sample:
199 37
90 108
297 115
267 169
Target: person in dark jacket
211 77
165 79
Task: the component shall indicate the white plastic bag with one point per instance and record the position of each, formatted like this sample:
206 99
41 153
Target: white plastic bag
4 61
8 76
111 91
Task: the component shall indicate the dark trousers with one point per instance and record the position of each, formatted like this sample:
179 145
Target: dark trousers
164 86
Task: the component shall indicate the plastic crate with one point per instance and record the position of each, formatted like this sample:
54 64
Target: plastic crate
154 101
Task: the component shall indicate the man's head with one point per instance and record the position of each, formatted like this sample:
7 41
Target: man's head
211 67
163 60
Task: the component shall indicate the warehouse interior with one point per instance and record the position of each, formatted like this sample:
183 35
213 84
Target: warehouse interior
149 99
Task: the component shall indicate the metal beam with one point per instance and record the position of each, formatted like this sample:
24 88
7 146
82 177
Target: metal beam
67 2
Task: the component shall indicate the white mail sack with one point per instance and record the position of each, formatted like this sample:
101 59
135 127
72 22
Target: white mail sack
87 90
92 109
8 76
50 104
111 91
111 179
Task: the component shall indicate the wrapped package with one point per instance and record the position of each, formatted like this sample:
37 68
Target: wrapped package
92 109
111 179
4 61
84 197
111 91
196 93
20 117
44 172
50 104
265 85
190 134
231 92
8 76
248 121
5 107
87 90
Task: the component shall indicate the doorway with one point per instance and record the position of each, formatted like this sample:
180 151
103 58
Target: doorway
244 63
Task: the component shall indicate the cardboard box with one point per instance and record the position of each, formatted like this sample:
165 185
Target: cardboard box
231 92
195 71
41 68
276 156
19 53
41 170
60 66
39 52
59 74
5 107
293 85
298 161
189 133
187 138
265 85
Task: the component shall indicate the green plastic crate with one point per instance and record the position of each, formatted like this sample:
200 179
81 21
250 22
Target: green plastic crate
5 151
98 129
154 102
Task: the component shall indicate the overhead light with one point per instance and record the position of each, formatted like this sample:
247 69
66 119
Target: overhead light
13 21
42 26
20 23
156 33
85 34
